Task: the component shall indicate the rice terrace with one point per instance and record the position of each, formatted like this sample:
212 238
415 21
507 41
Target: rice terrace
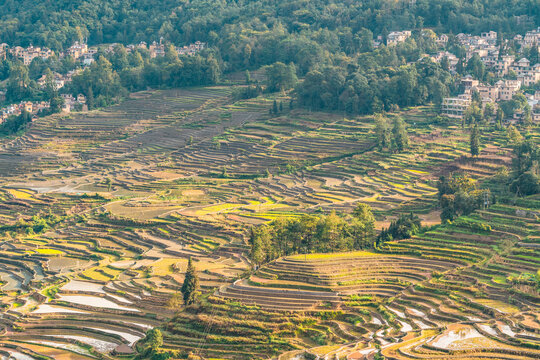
287 180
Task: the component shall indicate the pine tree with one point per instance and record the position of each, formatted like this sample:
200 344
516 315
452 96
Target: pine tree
280 106
475 141
275 107
191 284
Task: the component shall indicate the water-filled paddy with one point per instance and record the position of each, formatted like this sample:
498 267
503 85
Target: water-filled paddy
77 285
99 345
94 301
51 309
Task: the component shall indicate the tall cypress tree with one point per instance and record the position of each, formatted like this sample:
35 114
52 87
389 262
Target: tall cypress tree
191 284
475 141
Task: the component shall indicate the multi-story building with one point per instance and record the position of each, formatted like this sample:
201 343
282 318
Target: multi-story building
488 92
531 38
31 53
455 107
469 82
396 37
528 74
501 66
77 50
452 59
508 88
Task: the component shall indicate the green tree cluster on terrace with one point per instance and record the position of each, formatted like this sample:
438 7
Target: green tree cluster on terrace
459 195
309 233
403 227
526 169
394 138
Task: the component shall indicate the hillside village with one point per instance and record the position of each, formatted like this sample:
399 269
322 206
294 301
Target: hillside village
512 73
82 54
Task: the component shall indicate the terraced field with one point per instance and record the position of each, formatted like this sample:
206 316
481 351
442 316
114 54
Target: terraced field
100 212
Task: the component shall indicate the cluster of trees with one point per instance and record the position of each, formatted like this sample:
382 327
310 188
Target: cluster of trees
113 74
525 179
517 103
15 123
404 227
393 138
377 81
309 233
459 195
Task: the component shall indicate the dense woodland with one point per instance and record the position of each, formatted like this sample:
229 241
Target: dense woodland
325 25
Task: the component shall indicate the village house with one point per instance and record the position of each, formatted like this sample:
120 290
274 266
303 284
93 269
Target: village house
28 106
488 92
531 38
77 50
508 88
528 74
156 49
502 65
396 37
452 59
71 102
469 82
30 53
490 37
442 40
58 81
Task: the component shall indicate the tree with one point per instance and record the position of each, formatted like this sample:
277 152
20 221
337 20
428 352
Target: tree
363 225
275 107
488 111
190 287
475 141
459 195
382 131
400 140
513 134
527 118
404 227
260 244
280 77
154 339
476 67
499 117
176 301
